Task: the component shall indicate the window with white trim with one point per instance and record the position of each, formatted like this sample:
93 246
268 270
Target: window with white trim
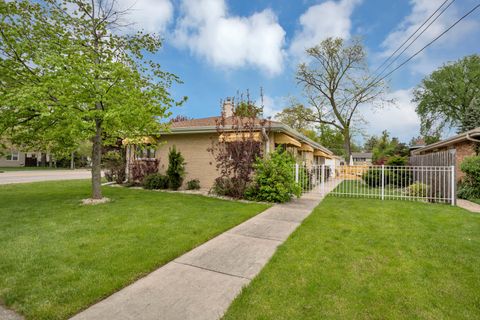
13 156
144 153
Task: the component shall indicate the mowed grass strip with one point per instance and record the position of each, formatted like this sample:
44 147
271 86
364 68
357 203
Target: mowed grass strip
371 259
57 257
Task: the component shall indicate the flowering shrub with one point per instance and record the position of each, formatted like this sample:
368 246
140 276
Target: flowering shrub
274 179
139 169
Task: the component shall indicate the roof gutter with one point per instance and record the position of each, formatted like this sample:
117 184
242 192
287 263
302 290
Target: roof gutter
276 127
464 136
472 139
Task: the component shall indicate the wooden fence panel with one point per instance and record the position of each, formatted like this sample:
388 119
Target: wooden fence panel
436 159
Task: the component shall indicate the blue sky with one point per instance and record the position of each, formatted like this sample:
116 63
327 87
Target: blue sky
220 47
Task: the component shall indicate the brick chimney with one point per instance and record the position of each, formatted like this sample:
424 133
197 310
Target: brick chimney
227 108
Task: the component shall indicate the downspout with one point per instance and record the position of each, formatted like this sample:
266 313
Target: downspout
267 140
472 139
477 148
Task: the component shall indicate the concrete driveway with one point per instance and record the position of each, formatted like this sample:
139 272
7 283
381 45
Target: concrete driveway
43 175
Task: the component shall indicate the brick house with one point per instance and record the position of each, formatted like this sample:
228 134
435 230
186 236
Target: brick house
193 137
462 145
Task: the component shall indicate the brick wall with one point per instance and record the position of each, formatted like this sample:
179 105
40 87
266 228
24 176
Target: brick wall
194 149
463 149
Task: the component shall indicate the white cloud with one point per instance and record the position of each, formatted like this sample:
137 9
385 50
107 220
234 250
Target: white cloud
400 119
271 105
328 19
208 30
152 16
421 10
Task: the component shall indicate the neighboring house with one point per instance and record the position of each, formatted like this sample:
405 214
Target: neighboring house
462 145
193 137
14 157
361 158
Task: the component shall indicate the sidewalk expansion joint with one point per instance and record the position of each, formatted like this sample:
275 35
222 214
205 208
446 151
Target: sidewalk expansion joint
216 271
262 218
279 219
254 237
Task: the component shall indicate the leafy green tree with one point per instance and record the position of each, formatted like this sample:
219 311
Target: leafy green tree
385 148
450 97
337 84
68 75
297 117
301 119
424 140
332 138
471 120
370 143
247 109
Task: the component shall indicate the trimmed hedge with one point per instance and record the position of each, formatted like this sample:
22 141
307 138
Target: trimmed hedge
155 181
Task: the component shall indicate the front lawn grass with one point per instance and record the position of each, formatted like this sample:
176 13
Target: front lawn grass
371 259
57 257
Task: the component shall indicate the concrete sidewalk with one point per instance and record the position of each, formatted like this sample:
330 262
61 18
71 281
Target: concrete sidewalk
468 205
9 177
202 283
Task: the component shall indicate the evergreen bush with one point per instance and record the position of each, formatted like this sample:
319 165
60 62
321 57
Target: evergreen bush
176 169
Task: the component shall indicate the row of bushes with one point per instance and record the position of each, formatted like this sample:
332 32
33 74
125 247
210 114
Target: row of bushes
173 179
273 180
162 181
145 172
397 178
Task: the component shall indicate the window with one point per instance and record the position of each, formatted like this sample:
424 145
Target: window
13 156
143 153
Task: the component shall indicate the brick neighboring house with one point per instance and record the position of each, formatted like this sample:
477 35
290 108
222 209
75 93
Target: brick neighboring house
193 137
464 145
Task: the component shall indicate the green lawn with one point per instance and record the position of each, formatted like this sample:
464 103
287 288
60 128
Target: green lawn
57 257
371 259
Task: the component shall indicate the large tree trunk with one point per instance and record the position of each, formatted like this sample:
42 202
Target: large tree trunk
346 144
97 161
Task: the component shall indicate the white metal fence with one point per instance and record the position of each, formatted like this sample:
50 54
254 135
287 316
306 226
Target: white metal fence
420 183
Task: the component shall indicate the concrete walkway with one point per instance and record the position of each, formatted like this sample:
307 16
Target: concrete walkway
6 314
9 177
202 283
468 205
